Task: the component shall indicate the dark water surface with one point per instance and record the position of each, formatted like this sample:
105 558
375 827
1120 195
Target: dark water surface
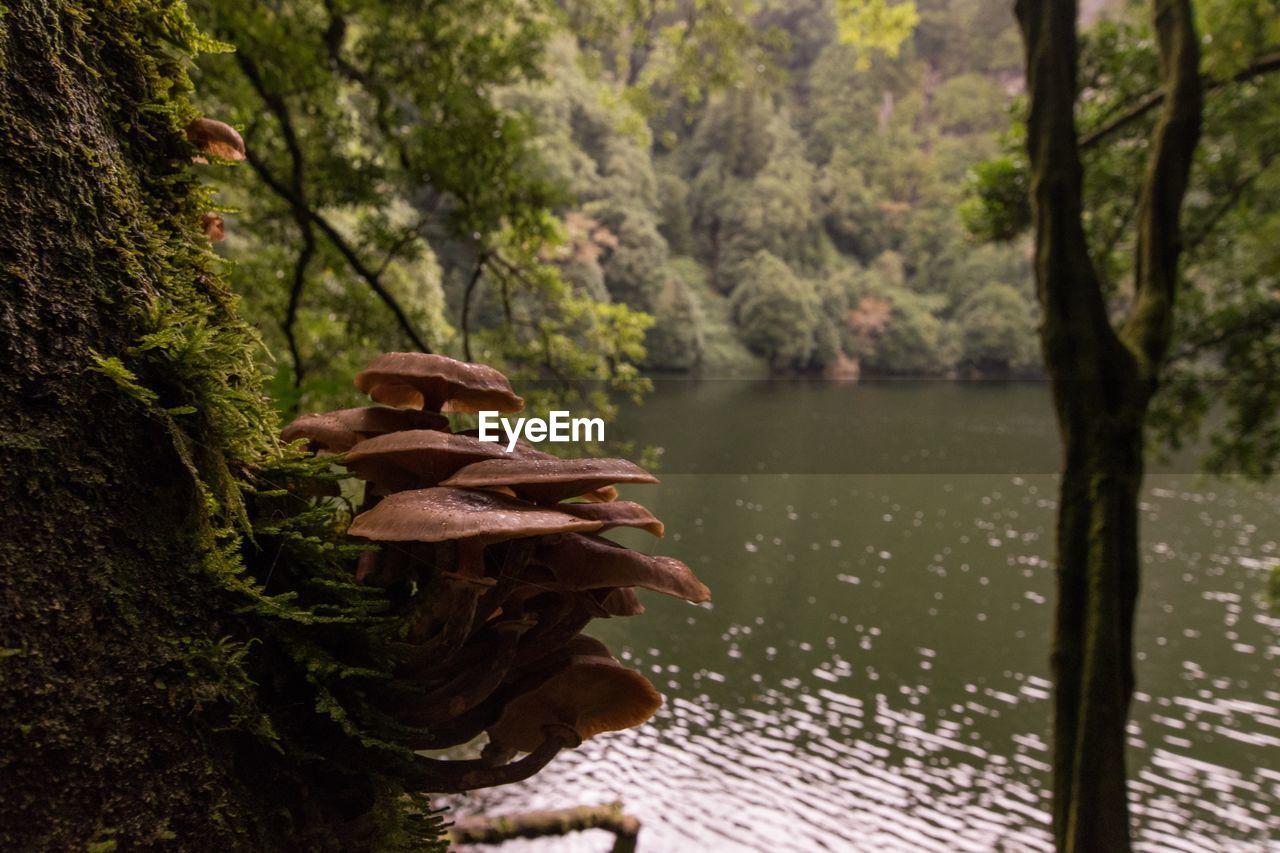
872 674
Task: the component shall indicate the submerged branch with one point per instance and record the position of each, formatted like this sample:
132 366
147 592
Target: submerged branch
543 824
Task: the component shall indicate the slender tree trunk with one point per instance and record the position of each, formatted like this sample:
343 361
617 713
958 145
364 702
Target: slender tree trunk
105 519
1103 379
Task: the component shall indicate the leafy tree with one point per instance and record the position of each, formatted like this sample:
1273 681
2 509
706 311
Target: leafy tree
913 341
970 103
875 25
1228 315
997 332
777 312
676 340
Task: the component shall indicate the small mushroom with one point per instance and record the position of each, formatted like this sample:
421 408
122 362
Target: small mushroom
415 458
323 432
214 228
551 479
338 431
216 139
592 694
437 383
590 562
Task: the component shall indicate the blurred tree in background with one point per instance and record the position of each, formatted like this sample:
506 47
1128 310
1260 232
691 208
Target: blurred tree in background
1225 349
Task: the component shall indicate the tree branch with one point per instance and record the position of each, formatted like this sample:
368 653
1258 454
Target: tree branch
1206 228
1264 65
465 323
1077 335
295 297
1150 326
302 210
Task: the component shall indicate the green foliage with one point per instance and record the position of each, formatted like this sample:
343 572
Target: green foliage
913 342
776 312
672 125
676 340
875 25
997 331
997 208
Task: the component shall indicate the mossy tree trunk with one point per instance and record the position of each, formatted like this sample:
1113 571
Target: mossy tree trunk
111 497
1103 376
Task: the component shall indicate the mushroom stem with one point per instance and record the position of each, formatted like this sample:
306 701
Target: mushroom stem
470 687
563 619
471 558
454 777
460 596
514 560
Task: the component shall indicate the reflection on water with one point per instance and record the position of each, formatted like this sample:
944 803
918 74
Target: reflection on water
872 674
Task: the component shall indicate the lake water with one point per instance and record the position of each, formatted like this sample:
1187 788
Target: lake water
872 674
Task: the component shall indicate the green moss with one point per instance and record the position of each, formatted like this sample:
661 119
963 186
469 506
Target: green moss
187 659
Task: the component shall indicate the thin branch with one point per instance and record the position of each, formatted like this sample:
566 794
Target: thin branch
302 209
295 297
1264 65
405 239
466 305
1173 144
1261 322
1228 203
496 830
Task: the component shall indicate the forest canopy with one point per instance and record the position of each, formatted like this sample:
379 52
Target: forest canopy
585 190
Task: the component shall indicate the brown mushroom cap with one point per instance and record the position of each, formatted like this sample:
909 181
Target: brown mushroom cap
616 514
416 458
323 432
593 694
548 480
338 431
372 421
439 515
216 138
214 227
437 383
589 562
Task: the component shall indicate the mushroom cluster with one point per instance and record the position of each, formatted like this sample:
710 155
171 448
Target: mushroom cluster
498 562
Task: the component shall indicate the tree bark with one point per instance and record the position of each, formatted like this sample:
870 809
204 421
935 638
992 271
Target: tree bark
107 519
1102 384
